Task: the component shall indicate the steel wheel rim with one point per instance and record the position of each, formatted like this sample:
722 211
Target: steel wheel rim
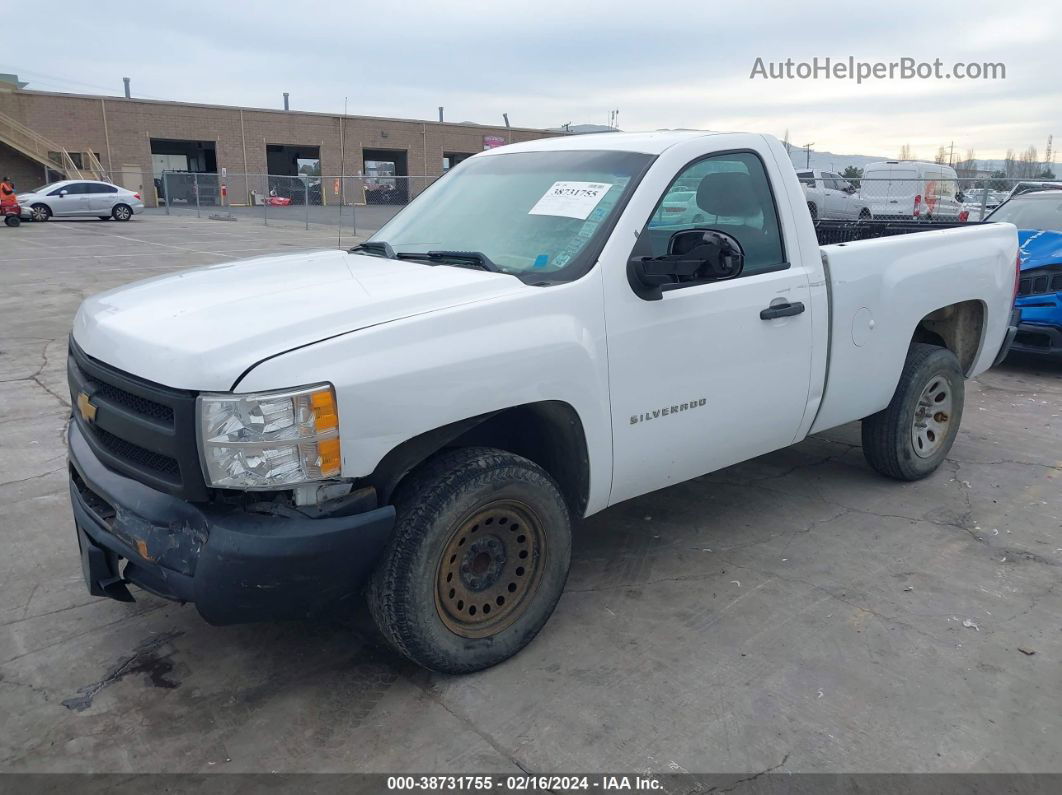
932 417
490 569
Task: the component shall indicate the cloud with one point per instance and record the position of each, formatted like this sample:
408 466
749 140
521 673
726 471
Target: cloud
679 64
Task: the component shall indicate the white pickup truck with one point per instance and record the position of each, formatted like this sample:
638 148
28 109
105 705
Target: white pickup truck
424 417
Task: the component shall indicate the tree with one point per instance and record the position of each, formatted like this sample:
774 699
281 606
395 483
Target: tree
1028 163
966 170
942 156
785 142
852 174
999 180
906 153
1047 173
1009 164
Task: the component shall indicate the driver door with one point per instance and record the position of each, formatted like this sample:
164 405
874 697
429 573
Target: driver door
698 379
71 199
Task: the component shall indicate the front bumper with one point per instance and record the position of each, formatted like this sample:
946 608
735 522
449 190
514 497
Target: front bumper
1034 338
236 566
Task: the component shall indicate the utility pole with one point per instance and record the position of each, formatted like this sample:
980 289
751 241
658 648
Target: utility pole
951 154
807 154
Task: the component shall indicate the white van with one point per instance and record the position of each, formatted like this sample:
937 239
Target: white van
910 189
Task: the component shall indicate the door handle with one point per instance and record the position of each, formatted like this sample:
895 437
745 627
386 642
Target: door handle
781 310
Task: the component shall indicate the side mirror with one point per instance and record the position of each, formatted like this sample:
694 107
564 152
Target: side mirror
849 187
62 193
694 255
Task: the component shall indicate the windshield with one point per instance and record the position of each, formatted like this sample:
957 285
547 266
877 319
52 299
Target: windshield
1031 213
43 188
529 213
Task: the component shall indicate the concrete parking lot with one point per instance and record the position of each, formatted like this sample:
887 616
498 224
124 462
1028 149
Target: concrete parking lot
793 613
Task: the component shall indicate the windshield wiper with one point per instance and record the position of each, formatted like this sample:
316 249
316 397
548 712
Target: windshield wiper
476 259
376 248
381 248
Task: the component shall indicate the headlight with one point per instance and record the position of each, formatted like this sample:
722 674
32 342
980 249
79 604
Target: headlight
271 439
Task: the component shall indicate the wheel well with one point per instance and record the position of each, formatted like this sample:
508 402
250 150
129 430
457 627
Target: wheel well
549 433
957 327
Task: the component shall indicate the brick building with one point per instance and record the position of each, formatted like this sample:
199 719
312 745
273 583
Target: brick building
45 135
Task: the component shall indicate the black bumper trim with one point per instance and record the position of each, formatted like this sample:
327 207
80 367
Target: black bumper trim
235 566
1052 335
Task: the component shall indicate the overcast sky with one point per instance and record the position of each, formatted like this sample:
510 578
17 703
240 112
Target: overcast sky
664 64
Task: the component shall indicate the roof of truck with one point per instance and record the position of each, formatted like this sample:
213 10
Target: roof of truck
652 143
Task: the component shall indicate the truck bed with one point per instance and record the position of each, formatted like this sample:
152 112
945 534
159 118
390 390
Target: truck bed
830 232
884 277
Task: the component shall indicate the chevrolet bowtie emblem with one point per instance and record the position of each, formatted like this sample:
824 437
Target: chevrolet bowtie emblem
86 407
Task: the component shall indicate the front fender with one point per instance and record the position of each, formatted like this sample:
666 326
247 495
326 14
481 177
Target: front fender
398 380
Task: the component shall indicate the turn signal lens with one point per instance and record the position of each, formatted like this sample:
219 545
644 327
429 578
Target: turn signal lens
325 416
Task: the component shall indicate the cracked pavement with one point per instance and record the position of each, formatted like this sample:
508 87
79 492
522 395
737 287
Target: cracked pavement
795 613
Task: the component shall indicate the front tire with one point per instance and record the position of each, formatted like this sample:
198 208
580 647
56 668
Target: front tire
912 436
122 212
477 562
40 212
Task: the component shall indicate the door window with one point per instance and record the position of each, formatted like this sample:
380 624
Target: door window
731 194
73 189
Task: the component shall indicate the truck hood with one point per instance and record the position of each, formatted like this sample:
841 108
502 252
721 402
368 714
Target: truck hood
203 328
1039 247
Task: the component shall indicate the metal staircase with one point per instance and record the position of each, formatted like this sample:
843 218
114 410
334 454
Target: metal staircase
48 153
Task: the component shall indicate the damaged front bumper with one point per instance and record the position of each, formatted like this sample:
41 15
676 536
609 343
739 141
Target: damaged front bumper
234 565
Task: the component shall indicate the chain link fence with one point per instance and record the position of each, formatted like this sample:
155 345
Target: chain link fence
357 203
363 204
901 198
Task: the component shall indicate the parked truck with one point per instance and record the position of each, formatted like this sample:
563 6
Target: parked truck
423 419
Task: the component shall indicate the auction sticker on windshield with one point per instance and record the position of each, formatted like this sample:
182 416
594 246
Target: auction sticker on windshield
570 199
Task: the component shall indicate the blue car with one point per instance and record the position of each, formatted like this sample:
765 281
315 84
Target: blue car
1038 217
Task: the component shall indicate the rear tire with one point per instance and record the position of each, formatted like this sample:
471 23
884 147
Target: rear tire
12 220
912 436
474 524
122 212
814 210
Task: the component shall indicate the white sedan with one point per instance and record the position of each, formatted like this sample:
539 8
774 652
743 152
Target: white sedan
80 198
